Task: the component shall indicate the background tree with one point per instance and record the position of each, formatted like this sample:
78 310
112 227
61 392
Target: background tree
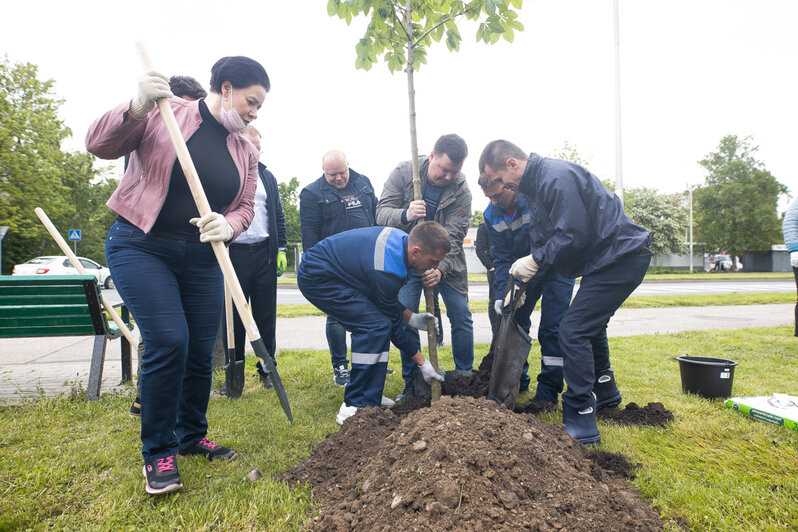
34 172
736 209
402 30
571 154
477 218
663 215
289 197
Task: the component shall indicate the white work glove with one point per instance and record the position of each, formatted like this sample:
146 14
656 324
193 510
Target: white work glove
152 86
498 305
213 228
419 321
794 259
508 301
524 268
429 373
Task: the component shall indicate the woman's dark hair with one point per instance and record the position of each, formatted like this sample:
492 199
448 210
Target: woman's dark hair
240 71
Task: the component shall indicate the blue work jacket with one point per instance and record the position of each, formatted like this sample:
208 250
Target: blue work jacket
372 261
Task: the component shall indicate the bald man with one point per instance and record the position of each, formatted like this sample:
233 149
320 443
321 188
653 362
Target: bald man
341 199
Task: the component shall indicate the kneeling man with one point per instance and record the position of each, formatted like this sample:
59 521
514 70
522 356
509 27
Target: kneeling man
355 277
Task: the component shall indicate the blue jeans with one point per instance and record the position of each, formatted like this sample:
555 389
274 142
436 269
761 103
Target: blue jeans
556 291
583 330
175 290
459 317
336 339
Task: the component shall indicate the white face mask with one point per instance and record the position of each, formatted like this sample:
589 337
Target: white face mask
231 120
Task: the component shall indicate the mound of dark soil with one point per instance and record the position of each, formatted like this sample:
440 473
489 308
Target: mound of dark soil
463 464
653 414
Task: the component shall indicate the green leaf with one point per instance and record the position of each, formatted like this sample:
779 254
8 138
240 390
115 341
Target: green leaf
332 8
517 3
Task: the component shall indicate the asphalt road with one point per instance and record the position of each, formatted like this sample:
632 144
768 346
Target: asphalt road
290 295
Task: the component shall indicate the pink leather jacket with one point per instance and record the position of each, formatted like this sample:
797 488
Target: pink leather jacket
142 191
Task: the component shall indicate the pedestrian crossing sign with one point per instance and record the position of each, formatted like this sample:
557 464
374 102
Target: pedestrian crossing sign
74 234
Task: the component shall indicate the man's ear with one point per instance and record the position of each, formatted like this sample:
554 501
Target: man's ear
512 163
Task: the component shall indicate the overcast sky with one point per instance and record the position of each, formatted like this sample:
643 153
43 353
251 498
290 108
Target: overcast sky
691 72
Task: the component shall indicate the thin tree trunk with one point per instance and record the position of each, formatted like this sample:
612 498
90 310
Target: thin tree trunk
432 341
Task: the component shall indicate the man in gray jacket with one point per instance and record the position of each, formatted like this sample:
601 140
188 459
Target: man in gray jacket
447 200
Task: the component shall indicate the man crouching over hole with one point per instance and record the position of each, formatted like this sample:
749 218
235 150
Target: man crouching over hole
355 277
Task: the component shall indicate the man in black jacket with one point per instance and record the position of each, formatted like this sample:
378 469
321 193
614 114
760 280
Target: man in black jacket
578 228
258 256
339 200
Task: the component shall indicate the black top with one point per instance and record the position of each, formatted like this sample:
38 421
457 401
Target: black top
217 173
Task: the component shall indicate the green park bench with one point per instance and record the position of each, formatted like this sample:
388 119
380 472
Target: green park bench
62 305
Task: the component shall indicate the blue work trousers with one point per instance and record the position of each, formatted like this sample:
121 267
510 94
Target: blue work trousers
583 329
371 335
459 317
556 291
336 340
175 290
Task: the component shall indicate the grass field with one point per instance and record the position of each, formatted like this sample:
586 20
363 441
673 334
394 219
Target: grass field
66 464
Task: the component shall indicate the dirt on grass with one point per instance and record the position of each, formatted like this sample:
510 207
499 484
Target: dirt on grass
467 463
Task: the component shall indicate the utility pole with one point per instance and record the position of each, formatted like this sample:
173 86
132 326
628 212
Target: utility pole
618 151
690 199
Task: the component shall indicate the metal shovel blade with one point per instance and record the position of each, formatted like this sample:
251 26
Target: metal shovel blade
234 375
266 361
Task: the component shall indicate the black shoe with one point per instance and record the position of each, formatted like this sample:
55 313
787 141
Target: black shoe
135 408
540 404
161 475
223 389
607 393
408 393
341 375
210 450
266 381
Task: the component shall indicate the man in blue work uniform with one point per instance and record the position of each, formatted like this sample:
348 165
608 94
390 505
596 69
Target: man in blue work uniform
355 277
579 229
507 219
339 200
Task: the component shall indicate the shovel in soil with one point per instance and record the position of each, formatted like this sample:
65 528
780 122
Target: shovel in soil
510 351
233 368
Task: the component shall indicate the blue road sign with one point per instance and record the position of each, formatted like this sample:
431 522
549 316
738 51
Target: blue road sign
74 234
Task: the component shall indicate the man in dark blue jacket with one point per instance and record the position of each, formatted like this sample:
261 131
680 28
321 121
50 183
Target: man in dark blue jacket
508 221
339 200
578 229
355 277
258 256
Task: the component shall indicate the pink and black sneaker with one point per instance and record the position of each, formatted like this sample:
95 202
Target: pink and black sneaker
161 475
207 448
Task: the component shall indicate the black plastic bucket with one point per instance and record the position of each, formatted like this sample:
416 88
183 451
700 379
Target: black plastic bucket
708 377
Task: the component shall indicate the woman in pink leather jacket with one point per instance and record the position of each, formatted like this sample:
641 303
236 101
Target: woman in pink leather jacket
159 253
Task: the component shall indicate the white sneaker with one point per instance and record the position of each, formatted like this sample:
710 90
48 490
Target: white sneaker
386 403
344 413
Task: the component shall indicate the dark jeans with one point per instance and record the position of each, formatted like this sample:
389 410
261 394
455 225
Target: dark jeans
336 339
174 289
583 329
257 274
494 318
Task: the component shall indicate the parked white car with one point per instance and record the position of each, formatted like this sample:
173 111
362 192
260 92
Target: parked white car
60 265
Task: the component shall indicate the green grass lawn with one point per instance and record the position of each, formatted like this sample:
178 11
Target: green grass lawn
67 464
693 300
